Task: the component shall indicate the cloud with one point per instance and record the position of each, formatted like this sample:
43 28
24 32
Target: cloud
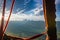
21 11
18 9
31 17
22 17
57 18
38 11
19 16
27 1
38 1
25 17
57 1
1 2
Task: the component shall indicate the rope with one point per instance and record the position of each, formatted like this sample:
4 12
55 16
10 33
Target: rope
31 38
2 20
38 35
3 12
13 1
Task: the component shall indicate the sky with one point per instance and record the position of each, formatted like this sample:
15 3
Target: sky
31 10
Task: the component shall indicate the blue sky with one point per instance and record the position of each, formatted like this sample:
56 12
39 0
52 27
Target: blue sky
28 10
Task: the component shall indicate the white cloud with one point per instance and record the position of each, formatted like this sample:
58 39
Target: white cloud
57 2
27 1
21 16
37 10
1 3
7 11
57 18
38 1
20 11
